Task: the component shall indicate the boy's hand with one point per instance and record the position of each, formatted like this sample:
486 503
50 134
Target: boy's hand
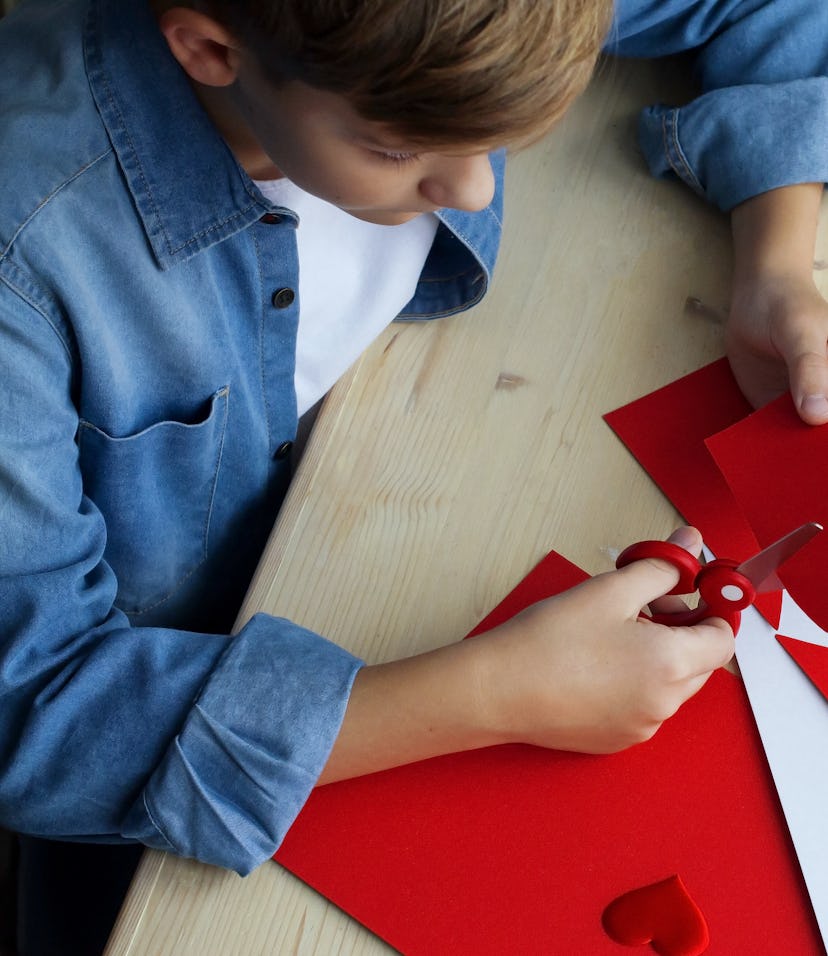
777 334
582 671
777 338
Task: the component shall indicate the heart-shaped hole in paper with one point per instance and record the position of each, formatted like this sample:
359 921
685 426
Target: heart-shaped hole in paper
662 914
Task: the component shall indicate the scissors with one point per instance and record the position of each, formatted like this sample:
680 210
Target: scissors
725 587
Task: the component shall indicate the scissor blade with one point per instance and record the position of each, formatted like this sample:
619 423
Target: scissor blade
760 570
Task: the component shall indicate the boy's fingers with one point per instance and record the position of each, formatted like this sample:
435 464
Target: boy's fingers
669 604
691 540
695 684
645 581
648 579
688 538
802 344
809 385
705 647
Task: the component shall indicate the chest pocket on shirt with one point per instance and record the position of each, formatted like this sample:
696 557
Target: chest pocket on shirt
155 491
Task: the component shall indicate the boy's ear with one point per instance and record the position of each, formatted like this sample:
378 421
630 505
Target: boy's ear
205 50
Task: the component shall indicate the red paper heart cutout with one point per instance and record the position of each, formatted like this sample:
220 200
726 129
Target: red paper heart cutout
812 659
662 914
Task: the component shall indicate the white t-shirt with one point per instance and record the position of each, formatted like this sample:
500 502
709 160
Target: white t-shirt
354 279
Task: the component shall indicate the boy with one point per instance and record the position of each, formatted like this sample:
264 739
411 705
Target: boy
153 372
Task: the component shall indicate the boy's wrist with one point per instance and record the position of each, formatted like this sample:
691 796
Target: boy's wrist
440 702
497 704
774 235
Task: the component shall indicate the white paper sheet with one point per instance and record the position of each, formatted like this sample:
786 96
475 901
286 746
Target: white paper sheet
792 717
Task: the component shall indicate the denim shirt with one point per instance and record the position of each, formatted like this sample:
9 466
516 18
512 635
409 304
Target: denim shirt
146 384
761 120
148 323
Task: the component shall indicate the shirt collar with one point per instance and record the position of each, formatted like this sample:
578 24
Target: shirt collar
188 188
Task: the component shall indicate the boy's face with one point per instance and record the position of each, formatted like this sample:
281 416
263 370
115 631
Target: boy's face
319 142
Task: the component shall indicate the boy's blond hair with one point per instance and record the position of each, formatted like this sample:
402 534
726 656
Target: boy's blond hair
458 72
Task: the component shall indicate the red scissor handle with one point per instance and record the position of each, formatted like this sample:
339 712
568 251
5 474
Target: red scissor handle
723 591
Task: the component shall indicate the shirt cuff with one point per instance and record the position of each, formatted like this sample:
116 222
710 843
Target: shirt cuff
734 143
251 750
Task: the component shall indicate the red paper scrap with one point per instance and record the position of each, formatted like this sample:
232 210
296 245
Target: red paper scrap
812 659
517 849
666 432
776 465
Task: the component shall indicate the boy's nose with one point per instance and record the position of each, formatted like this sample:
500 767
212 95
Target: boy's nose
460 182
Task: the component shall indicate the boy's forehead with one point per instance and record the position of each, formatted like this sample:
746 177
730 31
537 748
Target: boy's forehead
310 103
386 135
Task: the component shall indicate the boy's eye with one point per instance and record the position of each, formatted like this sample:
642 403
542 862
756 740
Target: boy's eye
400 159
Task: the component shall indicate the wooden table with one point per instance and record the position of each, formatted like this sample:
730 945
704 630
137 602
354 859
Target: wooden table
456 453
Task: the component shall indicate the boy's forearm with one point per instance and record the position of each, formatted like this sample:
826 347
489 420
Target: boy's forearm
415 708
774 233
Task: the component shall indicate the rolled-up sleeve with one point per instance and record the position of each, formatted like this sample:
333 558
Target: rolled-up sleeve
761 121
735 143
251 749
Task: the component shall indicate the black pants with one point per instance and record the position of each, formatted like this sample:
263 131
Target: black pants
69 895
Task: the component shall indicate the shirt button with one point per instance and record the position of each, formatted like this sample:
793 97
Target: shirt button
282 298
271 219
283 450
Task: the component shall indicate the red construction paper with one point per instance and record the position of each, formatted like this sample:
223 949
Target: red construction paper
662 914
517 849
550 576
666 432
812 659
776 465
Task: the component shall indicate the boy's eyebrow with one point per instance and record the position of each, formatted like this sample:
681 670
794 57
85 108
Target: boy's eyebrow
395 143
376 136
394 146
388 139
